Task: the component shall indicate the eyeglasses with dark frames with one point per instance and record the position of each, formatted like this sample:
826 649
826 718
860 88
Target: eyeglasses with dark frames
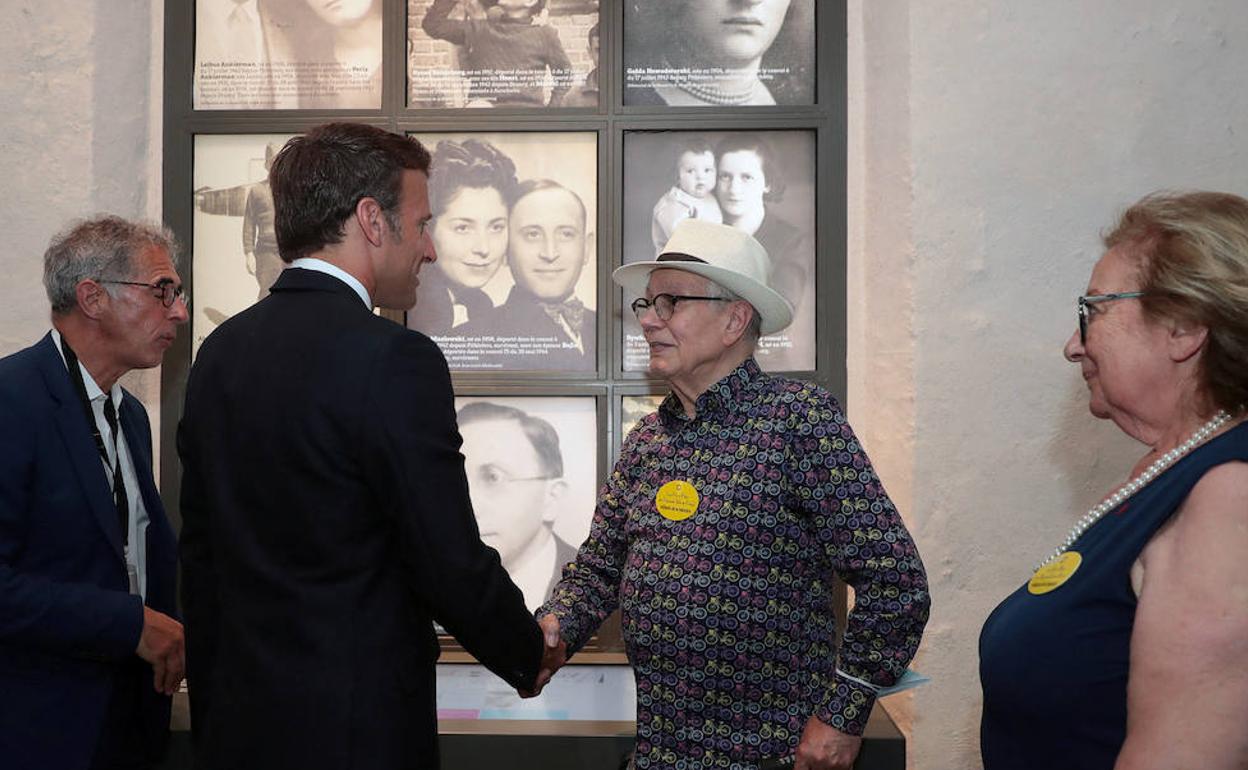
166 291
665 304
1092 299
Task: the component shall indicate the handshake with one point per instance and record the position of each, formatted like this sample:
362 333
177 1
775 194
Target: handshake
554 655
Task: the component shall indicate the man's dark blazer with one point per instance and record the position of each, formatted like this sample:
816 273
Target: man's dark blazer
67 619
326 525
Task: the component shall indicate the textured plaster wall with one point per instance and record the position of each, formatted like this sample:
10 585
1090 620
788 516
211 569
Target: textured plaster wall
79 134
989 144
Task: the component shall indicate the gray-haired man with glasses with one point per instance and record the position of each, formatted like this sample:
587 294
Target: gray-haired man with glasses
721 528
89 648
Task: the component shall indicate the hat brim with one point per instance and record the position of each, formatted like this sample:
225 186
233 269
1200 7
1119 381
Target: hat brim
774 311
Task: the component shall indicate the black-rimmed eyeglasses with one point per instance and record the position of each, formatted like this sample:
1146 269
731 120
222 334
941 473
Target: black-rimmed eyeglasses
665 304
166 291
1092 299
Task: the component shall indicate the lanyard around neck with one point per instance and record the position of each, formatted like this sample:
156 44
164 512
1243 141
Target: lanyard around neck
120 498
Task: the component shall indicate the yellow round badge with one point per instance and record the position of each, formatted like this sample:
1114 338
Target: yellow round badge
677 500
1054 574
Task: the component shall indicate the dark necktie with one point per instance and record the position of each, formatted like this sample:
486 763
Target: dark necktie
119 486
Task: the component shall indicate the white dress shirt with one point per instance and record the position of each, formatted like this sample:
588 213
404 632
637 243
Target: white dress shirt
137 518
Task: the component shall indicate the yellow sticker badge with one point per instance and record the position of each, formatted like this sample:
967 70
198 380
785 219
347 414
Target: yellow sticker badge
677 500
1052 575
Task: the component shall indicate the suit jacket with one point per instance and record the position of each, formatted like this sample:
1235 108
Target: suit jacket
67 619
326 525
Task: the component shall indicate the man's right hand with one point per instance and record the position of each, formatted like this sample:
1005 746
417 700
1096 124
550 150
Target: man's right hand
251 262
554 655
162 645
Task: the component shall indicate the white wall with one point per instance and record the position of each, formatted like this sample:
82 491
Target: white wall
991 141
79 135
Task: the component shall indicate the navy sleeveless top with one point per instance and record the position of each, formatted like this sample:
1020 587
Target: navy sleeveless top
1054 666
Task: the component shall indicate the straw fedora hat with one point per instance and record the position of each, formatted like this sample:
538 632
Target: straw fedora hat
724 254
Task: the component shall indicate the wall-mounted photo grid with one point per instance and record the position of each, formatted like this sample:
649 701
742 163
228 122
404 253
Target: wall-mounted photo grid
236 259
762 182
287 54
484 53
514 284
719 54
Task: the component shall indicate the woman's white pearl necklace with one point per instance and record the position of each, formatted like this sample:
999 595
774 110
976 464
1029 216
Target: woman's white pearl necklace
1201 435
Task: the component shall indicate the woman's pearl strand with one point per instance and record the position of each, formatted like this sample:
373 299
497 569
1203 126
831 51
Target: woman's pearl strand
1201 435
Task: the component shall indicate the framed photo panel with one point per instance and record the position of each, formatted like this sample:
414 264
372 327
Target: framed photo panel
485 53
532 466
717 54
235 249
514 287
287 54
762 182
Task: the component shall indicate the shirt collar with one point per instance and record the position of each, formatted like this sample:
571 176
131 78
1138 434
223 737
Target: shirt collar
727 395
321 266
94 393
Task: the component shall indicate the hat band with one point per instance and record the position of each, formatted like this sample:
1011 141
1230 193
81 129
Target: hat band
675 256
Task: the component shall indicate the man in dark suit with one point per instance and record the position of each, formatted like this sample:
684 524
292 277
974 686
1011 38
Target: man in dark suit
326 518
89 650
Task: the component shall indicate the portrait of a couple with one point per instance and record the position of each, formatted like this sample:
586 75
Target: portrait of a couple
512 286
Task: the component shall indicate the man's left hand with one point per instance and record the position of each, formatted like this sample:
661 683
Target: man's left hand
823 747
554 655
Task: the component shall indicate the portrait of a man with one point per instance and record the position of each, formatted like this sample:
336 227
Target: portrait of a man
531 480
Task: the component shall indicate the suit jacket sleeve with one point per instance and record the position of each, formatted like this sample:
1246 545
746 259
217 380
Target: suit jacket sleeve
411 448
66 617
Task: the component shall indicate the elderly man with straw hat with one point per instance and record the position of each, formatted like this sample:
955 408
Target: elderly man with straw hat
722 526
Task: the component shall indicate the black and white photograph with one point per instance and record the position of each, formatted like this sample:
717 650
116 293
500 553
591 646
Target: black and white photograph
514 284
502 53
235 248
531 463
287 54
719 53
761 182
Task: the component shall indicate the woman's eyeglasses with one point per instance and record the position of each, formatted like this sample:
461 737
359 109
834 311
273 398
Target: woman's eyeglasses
1092 299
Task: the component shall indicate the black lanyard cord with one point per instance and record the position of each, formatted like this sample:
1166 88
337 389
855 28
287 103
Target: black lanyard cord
120 498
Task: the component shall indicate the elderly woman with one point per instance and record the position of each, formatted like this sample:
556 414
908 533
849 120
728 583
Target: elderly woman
1128 648
472 183
721 528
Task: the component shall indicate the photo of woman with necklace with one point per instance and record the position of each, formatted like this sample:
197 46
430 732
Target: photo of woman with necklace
724 53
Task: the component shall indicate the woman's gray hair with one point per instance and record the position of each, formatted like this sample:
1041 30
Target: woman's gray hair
101 248
1192 250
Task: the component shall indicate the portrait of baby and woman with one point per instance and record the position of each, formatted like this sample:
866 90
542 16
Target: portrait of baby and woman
287 54
719 53
514 283
502 53
760 182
